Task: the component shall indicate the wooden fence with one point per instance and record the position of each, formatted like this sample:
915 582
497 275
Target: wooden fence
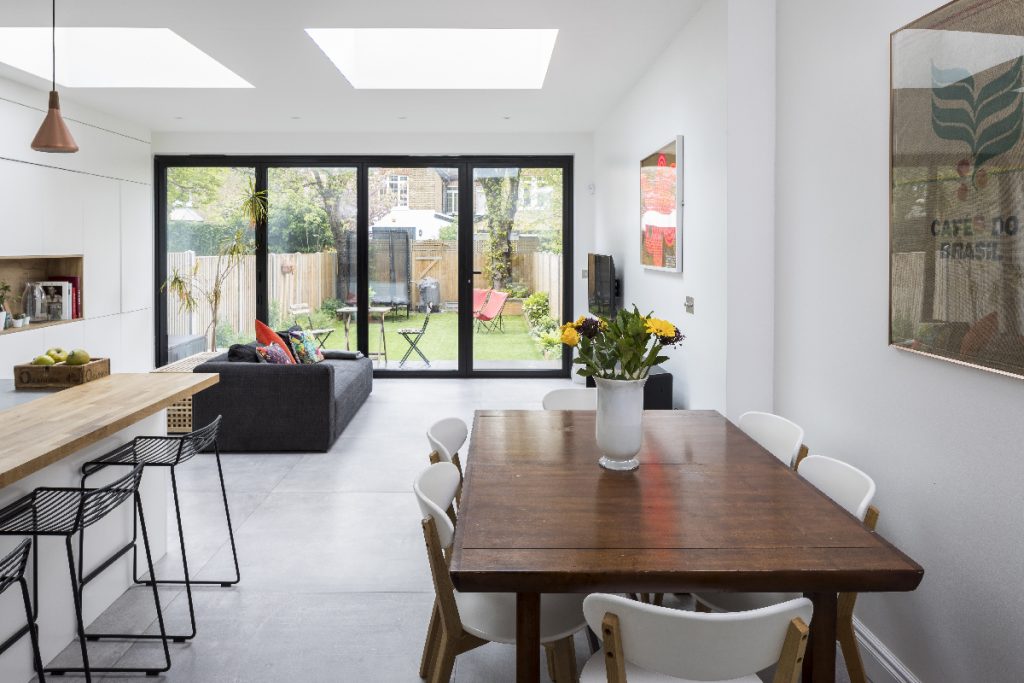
311 278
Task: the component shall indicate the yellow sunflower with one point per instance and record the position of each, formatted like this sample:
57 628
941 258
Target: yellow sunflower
570 337
661 328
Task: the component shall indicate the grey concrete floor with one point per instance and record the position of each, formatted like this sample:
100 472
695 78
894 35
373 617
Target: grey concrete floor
335 585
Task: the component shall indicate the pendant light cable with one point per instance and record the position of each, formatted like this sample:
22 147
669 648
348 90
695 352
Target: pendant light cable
53 43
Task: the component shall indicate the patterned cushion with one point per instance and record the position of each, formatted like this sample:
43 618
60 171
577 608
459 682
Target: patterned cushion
304 347
266 336
274 353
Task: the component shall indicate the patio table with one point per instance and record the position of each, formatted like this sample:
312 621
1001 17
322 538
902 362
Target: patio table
345 313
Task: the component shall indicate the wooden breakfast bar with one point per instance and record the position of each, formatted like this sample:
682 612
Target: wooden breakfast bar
47 436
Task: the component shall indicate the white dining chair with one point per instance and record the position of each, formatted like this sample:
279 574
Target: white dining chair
446 437
650 644
779 436
853 490
464 621
570 399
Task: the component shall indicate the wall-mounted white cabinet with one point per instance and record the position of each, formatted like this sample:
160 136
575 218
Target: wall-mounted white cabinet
97 203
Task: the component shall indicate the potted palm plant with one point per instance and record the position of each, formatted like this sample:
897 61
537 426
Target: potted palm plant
619 354
191 290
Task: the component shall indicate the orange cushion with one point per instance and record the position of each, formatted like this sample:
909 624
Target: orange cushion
980 334
266 336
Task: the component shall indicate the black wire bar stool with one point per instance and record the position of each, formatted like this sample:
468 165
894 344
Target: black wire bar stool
50 511
12 571
170 451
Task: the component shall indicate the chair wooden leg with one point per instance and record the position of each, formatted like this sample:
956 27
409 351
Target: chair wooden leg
431 644
793 650
549 655
564 658
848 638
446 652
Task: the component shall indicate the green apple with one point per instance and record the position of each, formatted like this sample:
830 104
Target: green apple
78 357
58 354
43 360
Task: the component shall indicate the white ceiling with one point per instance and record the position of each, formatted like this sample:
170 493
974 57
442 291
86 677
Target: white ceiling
603 47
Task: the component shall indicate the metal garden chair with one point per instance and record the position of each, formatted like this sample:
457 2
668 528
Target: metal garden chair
413 336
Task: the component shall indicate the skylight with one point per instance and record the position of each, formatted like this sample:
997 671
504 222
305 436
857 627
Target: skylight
439 58
94 57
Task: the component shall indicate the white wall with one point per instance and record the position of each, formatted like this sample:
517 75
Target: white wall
98 203
578 145
718 70
943 442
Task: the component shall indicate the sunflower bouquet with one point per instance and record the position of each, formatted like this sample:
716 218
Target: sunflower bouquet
625 347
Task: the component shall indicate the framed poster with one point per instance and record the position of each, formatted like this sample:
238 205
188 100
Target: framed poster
56 304
661 208
956 257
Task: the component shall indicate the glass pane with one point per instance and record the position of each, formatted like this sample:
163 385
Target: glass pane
210 257
311 264
517 248
414 267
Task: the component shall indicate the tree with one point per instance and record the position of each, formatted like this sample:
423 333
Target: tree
199 186
336 192
298 220
501 193
211 193
547 221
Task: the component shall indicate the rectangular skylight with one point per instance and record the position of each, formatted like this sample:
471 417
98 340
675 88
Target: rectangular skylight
439 58
121 57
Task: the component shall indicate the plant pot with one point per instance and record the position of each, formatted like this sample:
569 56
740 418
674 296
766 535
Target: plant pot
620 416
18 322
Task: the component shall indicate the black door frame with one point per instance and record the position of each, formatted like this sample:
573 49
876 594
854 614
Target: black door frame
261 163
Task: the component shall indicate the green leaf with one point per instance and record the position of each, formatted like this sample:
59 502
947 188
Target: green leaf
954 116
955 133
1007 82
997 104
955 92
1001 136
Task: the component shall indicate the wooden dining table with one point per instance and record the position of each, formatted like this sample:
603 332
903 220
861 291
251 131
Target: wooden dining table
708 509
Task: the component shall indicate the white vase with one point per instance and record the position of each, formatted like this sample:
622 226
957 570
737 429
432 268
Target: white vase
620 417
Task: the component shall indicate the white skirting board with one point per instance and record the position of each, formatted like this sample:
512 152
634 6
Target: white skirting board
880 664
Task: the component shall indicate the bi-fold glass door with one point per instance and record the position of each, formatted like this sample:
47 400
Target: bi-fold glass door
446 266
519 266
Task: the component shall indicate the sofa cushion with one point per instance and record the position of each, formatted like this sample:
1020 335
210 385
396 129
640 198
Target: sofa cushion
303 347
266 336
338 354
244 353
274 353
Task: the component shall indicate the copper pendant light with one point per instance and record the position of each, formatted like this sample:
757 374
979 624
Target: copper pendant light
53 135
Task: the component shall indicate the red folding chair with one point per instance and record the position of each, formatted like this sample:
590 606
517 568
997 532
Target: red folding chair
489 317
479 299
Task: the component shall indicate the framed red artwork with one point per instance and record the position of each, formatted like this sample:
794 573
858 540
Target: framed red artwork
661 208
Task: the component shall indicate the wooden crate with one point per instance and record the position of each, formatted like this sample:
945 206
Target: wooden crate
179 415
59 376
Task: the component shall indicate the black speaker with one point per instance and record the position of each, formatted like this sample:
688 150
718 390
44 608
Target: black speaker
657 391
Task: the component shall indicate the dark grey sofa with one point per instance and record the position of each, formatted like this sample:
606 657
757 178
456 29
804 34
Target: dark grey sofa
270 408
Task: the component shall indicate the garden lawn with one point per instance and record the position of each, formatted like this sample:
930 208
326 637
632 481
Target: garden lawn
441 340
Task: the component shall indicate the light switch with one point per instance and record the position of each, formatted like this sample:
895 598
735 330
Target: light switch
689 304
585 273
